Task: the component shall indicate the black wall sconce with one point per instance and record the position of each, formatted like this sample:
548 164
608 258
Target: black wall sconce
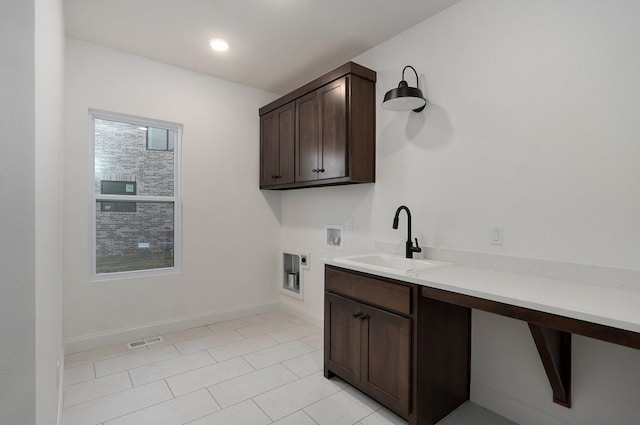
405 98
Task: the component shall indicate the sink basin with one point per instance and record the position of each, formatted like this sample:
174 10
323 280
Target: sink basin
391 263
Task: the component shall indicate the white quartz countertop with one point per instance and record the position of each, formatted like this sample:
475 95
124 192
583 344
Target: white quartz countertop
603 305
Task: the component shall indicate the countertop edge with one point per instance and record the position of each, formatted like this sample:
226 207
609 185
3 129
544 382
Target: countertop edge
429 279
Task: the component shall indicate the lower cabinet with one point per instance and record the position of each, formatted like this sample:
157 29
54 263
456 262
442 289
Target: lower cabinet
408 352
369 346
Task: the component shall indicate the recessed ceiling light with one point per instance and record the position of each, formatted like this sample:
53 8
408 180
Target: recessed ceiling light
219 44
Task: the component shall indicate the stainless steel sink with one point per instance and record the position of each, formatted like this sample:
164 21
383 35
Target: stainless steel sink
391 263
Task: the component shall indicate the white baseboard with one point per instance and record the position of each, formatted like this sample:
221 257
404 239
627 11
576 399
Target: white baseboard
512 409
118 336
303 314
60 373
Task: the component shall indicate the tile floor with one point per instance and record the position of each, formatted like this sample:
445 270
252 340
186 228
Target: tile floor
262 369
256 370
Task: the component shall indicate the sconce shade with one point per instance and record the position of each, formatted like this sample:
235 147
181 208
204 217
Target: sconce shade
405 98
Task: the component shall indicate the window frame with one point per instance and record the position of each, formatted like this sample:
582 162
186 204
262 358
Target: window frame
97 197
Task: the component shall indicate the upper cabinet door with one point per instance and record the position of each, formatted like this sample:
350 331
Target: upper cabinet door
332 108
308 148
277 138
269 149
287 131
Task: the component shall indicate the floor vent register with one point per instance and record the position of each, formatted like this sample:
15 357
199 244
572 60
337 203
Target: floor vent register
144 342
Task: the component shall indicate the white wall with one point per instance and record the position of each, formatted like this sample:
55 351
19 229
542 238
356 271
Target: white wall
230 229
49 96
532 125
17 209
31 210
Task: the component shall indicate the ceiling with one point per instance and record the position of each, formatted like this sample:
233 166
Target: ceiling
275 45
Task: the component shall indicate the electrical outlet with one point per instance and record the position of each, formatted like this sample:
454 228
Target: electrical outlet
304 261
348 223
495 235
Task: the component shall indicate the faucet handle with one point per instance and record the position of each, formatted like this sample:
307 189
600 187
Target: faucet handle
417 247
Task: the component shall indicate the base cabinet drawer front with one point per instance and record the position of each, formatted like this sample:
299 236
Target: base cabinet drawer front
338 282
392 296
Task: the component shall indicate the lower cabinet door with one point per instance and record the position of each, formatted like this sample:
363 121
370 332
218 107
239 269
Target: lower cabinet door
342 337
386 358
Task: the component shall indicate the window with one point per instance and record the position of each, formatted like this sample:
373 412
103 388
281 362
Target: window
135 195
160 139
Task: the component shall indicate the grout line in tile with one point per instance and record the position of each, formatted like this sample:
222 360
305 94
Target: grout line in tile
158 361
216 346
308 345
170 390
207 414
293 358
293 413
243 325
96 399
309 416
258 406
213 398
220 409
285 366
210 355
370 414
257 395
130 379
207 387
244 354
291 321
244 374
147 407
98 377
320 399
180 373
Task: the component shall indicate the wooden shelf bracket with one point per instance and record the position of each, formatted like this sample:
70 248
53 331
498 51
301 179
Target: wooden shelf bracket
554 347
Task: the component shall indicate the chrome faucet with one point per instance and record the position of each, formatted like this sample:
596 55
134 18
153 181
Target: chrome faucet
410 249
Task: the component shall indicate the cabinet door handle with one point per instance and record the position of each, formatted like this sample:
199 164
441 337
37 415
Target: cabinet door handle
321 170
357 316
314 170
363 317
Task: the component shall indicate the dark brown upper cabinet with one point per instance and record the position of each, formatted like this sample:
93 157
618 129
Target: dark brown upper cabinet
322 133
